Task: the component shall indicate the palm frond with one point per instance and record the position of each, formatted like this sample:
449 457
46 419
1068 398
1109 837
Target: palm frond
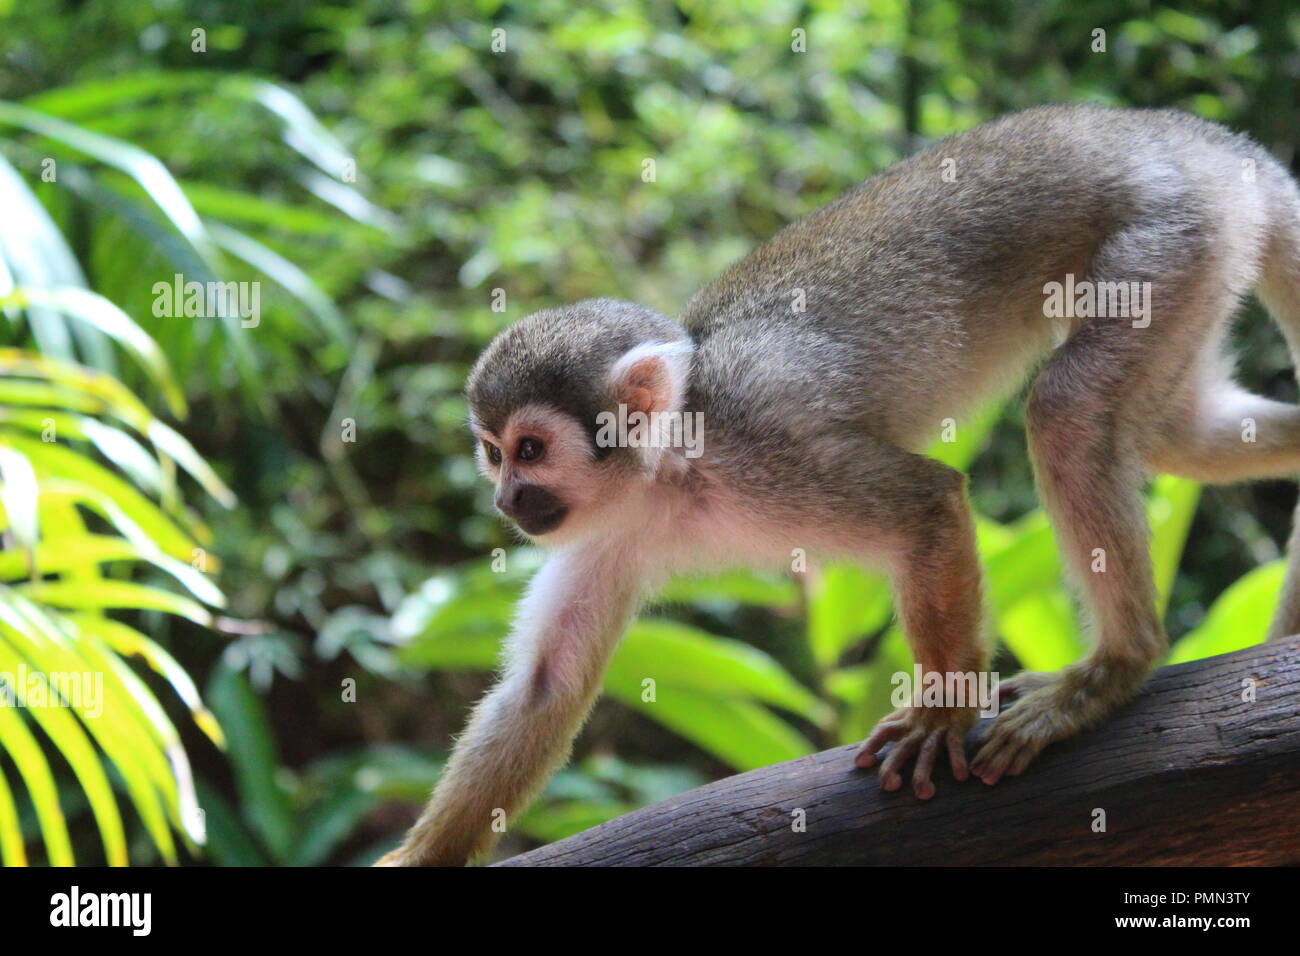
63 659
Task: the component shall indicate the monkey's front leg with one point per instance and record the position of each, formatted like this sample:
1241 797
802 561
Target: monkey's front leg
568 623
937 588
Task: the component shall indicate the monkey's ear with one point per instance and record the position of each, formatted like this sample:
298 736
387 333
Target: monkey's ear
652 376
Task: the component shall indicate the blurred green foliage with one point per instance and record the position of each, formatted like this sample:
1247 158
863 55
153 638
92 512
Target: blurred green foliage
382 171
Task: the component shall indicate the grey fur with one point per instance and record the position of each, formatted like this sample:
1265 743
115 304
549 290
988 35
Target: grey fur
923 297
559 357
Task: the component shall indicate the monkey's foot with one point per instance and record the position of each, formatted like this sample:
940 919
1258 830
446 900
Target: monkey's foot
1038 718
918 732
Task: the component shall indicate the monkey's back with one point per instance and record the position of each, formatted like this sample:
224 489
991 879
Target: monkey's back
926 282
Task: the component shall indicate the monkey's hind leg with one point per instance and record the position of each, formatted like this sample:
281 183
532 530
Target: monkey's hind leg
1219 432
1097 417
1083 440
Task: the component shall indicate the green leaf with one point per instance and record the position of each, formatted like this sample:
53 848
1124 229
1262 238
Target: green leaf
679 656
349 201
125 452
33 252
253 756
129 642
228 842
969 436
742 734
303 131
90 307
135 708
94 98
329 823
87 391
16 392
66 554
991 537
1239 618
460 619
99 487
476 652
12 850
21 747
229 205
145 169
1041 630
1030 563
865 689
83 595
280 270
548 822
743 587
845 605
386 771
95 386
170 442
20 498
67 735
107 710
1170 510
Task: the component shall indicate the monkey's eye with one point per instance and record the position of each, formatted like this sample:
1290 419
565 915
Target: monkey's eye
493 452
530 449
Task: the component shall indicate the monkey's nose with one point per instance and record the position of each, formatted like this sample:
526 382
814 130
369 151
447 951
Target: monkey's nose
535 509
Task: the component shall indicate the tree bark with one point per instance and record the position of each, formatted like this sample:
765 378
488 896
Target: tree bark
1192 772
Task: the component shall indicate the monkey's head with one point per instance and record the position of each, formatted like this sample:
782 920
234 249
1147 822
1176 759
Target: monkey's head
544 395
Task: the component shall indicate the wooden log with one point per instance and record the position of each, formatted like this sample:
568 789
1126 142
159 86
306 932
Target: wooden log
1192 772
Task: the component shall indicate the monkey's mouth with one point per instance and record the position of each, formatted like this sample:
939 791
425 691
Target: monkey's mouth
536 524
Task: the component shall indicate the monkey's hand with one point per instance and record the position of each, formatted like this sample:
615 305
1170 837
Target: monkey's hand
918 732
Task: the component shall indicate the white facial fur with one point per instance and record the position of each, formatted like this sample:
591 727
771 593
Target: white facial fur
568 468
649 377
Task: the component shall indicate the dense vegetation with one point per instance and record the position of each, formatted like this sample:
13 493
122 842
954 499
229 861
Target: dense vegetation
270 539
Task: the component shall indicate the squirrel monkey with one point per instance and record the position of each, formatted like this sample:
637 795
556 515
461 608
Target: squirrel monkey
824 363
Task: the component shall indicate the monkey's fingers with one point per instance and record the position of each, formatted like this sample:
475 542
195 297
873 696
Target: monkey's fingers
955 743
957 754
1015 739
922 785
992 761
885 731
891 776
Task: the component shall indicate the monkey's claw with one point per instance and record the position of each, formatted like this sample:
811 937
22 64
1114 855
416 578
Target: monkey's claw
917 732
